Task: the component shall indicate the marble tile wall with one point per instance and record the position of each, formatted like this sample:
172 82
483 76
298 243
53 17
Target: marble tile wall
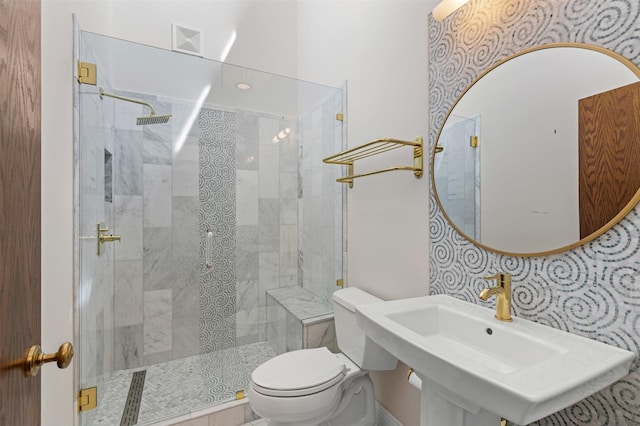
176 181
320 333
150 298
297 319
276 333
157 219
267 216
155 191
218 169
227 175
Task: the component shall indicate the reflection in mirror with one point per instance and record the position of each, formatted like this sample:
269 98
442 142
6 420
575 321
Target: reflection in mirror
523 190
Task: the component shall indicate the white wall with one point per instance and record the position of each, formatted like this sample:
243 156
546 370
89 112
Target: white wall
380 47
265 30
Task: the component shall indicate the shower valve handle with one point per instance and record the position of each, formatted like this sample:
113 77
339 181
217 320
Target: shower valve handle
104 238
109 238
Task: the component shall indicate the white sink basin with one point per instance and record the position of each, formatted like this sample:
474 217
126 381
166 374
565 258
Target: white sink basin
522 371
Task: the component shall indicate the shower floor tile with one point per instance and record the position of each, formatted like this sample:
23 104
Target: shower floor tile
182 386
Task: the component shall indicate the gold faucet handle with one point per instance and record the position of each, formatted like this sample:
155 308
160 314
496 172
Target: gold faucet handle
502 280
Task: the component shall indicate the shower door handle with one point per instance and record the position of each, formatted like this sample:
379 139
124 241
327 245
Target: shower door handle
208 253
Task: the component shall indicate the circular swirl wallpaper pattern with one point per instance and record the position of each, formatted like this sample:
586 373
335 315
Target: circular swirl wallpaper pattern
592 290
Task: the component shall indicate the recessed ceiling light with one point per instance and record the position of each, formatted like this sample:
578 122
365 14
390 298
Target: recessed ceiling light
243 86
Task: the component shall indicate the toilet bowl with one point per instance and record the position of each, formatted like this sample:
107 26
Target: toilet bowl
306 387
312 387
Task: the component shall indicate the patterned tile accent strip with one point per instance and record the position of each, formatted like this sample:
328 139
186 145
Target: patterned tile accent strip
217 134
592 290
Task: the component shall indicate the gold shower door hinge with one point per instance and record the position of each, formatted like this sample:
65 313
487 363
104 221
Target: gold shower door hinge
88 399
87 73
339 116
340 282
473 141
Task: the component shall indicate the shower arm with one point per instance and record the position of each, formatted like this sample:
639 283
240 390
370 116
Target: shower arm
122 98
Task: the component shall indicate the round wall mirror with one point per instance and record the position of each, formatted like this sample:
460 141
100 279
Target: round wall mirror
540 153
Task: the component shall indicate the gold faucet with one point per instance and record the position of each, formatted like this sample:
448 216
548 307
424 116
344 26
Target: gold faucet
503 290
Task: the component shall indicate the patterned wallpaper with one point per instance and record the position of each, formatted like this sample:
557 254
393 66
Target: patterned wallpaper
593 290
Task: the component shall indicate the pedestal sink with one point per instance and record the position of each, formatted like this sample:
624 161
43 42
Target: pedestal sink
476 369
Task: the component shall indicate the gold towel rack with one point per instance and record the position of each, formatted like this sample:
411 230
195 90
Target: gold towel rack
375 147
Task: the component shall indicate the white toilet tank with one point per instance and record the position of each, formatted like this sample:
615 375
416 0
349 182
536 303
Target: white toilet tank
352 341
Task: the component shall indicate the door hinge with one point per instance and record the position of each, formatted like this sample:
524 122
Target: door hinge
473 141
88 399
87 73
339 116
340 282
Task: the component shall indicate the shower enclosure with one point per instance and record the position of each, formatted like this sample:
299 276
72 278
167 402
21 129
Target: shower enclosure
188 229
457 173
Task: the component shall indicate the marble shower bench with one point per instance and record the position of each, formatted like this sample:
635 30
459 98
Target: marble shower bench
298 319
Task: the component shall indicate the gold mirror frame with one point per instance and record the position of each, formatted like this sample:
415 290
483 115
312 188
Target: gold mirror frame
624 212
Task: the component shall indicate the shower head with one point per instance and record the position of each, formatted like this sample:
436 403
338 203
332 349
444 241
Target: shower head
141 121
152 119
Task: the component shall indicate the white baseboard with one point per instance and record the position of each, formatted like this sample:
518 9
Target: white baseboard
384 418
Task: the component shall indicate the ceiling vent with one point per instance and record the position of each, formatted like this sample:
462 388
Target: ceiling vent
186 40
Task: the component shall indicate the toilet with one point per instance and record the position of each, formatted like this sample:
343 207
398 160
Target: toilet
311 387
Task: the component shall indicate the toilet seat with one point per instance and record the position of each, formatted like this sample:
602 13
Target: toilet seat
298 373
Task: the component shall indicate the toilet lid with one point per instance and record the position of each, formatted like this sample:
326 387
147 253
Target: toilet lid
298 373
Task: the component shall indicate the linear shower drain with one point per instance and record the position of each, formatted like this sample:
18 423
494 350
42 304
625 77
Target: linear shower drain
134 398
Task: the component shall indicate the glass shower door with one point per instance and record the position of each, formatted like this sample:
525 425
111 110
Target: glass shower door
457 174
95 216
215 208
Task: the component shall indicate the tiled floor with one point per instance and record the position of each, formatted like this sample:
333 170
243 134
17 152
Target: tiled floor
186 385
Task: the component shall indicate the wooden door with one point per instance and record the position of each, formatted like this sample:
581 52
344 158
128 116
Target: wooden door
608 154
19 207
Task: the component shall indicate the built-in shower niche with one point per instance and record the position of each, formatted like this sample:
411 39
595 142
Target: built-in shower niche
298 319
108 177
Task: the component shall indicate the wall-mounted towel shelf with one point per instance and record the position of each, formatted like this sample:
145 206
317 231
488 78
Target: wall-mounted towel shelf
375 147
